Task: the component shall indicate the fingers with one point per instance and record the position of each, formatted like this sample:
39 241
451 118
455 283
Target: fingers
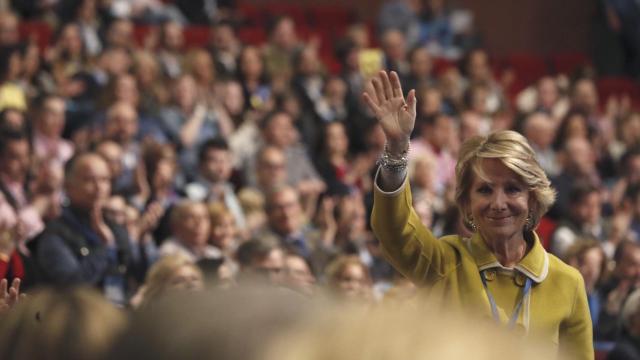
372 105
386 85
15 285
3 288
411 101
395 84
371 91
377 85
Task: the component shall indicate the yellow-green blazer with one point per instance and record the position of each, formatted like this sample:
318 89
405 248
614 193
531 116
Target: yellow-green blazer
555 311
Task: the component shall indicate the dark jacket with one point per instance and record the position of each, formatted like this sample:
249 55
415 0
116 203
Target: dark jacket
69 252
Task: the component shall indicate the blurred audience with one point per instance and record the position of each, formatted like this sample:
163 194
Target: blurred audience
149 147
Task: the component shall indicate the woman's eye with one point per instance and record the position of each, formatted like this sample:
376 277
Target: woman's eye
513 189
484 190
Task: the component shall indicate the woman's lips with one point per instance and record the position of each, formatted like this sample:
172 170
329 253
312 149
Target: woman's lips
499 219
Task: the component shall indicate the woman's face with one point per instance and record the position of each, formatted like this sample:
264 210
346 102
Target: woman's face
432 102
498 204
590 267
337 141
577 127
146 71
31 60
588 210
352 281
165 172
421 63
547 92
186 278
233 98
71 40
223 232
185 92
251 63
127 90
336 90
278 131
479 66
203 67
53 118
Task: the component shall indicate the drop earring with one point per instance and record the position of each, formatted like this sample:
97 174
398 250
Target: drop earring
472 224
527 223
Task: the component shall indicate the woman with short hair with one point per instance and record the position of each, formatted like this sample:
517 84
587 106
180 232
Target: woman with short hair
501 270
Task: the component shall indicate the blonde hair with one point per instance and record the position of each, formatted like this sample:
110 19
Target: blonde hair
388 333
425 159
218 211
157 280
513 150
191 61
251 200
67 323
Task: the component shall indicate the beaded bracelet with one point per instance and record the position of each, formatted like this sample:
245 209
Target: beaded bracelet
393 163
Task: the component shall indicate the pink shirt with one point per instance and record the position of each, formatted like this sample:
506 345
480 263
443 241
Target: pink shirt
58 149
25 213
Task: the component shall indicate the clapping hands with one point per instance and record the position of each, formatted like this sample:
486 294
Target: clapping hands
9 297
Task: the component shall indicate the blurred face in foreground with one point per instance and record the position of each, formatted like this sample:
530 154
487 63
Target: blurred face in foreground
270 266
186 277
298 275
353 282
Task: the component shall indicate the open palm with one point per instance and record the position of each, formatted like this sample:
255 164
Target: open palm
397 117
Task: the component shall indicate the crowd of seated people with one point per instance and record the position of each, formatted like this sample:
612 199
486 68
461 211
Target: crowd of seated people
138 167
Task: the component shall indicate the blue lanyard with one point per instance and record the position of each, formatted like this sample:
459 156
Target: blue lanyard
492 301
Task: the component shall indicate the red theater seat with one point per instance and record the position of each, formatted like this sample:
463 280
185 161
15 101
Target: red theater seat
296 12
252 35
37 31
528 67
545 229
567 63
252 15
196 36
329 16
140 33
618 86
440 65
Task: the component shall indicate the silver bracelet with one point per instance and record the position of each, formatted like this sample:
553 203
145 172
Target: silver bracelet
394 163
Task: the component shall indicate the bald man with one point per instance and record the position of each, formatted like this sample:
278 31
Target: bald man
81 247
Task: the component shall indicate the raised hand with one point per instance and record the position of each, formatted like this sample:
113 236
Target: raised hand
385 98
